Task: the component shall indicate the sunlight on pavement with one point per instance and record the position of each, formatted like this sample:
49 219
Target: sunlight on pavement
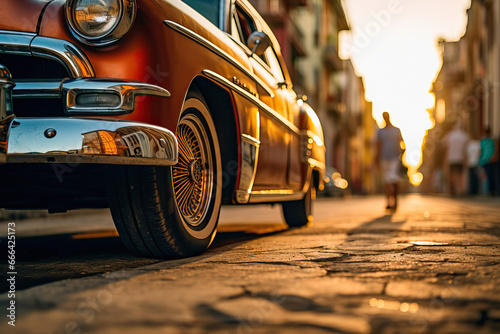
393 305
428 243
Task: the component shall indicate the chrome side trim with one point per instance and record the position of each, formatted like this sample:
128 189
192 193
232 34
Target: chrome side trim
251 140
68 54
262 106
126 89
316 163
249 158
17 43
214 48
279 195
220 79
80 140
273 192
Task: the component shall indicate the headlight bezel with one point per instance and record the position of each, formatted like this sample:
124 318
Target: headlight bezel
124 21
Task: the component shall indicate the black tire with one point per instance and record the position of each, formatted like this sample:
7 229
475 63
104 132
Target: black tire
299 213
172 212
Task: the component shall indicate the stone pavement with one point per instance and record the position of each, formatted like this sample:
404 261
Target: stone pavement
433 266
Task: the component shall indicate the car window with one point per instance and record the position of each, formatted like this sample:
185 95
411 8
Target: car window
246 24
208 8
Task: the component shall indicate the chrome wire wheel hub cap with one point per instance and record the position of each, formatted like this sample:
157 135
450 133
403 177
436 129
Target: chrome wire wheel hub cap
193 174
195 171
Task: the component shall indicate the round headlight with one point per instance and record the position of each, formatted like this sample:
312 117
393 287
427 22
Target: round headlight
100 22
96 19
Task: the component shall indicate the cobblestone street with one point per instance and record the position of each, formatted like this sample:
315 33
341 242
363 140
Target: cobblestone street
432 266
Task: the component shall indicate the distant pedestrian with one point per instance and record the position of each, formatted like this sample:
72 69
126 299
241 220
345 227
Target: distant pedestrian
489 160
389 151
456 143
473 153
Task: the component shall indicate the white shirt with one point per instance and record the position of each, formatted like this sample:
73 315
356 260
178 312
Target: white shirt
457 141
473 153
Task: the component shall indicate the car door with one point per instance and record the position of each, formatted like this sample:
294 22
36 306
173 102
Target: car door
287 96
274 118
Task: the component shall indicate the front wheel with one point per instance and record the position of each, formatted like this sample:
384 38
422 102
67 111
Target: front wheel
299 213
172 212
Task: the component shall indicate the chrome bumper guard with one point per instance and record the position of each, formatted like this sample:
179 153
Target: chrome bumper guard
86 141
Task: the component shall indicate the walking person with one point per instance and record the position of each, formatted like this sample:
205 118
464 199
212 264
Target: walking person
473 153
489 161
456 145
389 151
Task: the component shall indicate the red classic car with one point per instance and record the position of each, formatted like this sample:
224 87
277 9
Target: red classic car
162 110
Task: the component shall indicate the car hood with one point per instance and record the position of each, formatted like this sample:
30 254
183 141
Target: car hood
21 15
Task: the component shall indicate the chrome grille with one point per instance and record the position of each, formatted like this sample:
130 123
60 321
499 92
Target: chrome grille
33 68
38 65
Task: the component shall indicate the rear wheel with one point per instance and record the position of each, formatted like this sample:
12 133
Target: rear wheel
299 213
172 212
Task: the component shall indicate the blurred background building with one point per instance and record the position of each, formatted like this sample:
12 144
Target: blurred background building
308 34
467 89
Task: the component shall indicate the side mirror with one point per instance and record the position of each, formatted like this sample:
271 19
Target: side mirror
258 42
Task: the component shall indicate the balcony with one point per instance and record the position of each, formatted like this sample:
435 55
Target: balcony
275 12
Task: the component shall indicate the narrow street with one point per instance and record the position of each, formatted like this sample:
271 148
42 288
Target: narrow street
433 266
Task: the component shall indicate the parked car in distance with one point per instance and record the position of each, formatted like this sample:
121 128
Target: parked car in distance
161 110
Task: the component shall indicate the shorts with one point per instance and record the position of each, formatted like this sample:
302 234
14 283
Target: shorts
390 169
457 167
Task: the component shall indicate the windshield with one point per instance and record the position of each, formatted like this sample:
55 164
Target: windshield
208 8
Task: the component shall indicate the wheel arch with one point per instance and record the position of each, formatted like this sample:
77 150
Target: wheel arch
221 107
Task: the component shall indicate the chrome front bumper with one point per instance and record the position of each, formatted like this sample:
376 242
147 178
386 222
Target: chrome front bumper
76 140
81 140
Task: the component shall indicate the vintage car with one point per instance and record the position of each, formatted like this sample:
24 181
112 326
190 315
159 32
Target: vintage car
161 110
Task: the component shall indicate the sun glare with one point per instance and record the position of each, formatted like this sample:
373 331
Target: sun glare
393 46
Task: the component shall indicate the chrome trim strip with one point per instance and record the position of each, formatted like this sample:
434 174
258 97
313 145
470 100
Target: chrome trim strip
264 107
17 43
37 89
280 195
214 48
126 89
219 78
64 52
80 140
251 140
316 163
249 158
273 192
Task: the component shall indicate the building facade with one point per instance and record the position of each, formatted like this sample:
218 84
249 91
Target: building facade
467 89
308 32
